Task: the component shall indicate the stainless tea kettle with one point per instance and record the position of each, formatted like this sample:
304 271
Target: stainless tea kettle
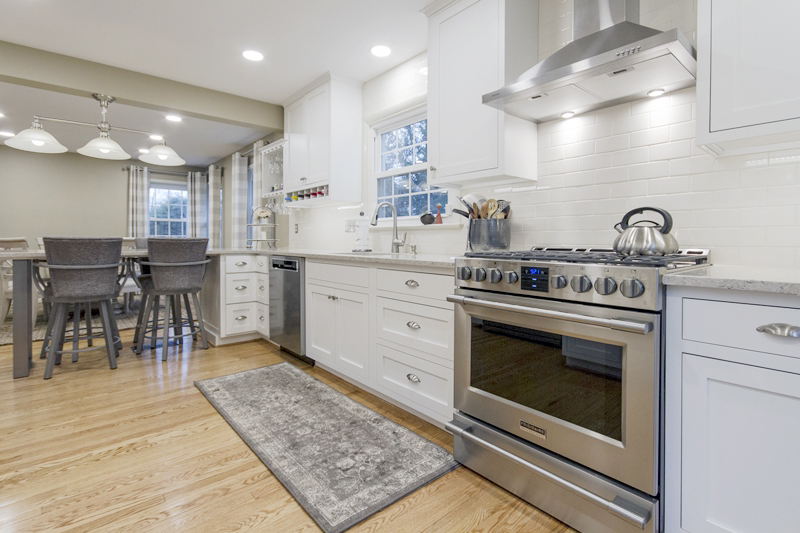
645 240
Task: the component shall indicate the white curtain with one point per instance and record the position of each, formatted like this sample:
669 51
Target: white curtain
258 233
214 207
197 212
239 214
138 196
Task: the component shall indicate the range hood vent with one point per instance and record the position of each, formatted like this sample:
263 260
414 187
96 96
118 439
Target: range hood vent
612 60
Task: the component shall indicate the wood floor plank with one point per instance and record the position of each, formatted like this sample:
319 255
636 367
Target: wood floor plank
139 449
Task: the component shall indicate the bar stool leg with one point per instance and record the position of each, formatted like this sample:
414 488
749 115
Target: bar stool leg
177 326
60 325
200 322
105 313
76 331
192 327
88 313
165 342
48 335
141 324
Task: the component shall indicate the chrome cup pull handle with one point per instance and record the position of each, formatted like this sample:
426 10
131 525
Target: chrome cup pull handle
240 287
332 297
413 325
412 283
413 378
261 288
240 263
780 330
241 317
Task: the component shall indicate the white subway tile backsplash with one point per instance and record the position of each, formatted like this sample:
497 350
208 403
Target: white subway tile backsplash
672 150
594 192
671 115
769 216
691 165
592 162
579 149
669 185
631 157
684 130
650 136
614 174
565 165
715 181
613 144
569 136
629 189
579 179
631 123
551 154
597 131
645 171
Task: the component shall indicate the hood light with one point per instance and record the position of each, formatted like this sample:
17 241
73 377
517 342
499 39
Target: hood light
655 93
568 114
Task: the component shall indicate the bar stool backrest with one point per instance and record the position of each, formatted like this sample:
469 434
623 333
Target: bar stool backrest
182 277
87 283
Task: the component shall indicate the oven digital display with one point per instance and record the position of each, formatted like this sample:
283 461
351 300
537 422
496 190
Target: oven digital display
535 279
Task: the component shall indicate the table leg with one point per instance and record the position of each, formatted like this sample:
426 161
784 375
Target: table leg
23 321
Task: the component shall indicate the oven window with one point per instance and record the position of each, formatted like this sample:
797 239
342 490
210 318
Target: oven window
575 380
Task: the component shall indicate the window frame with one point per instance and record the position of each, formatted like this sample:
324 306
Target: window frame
173 186
394 122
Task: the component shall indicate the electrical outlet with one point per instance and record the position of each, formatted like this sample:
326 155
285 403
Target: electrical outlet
350 226
296 227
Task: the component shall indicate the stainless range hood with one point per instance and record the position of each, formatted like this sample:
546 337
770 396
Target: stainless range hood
612 60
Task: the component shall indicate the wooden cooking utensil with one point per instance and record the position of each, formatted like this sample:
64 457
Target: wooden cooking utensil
491 208
485 210
499 214
476 211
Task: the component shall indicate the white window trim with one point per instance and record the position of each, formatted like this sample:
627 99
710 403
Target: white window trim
172 185
449 220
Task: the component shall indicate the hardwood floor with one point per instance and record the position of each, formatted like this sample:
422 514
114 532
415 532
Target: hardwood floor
140 449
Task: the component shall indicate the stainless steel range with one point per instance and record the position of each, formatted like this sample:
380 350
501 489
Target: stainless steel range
558 380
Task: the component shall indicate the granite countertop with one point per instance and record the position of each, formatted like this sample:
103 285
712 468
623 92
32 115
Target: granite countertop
386 258
740 278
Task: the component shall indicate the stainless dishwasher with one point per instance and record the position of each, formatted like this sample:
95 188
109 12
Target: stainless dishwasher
287 316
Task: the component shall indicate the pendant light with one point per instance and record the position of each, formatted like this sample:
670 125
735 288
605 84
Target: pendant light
103 147
35 139
161 154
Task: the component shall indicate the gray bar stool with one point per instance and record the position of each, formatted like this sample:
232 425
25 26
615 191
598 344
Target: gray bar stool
176 270
82 271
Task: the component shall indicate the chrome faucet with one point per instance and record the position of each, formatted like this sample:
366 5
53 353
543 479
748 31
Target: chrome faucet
396 242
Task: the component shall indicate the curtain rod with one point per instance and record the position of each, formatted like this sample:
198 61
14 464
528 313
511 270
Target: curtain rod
152 171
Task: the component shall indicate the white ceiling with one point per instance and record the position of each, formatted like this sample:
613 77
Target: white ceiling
200 43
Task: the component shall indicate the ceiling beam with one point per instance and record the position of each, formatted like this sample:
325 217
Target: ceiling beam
31 67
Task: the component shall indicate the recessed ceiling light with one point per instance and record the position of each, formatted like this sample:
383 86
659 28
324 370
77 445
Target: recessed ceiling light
143 150
252 55
381 51
2 115
568 114
656 92
157 137
174 118
6 134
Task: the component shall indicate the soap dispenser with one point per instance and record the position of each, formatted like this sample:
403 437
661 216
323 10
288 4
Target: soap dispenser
362 234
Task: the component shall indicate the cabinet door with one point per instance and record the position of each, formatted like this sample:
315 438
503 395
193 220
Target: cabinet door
353 348
321 323
464 59
295 160
318 120
740 463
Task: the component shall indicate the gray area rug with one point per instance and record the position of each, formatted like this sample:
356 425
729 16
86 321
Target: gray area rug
340 460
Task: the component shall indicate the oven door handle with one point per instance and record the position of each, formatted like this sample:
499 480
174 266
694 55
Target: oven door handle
642 328
623 509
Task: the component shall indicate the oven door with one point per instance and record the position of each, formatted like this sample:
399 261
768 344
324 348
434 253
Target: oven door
581 381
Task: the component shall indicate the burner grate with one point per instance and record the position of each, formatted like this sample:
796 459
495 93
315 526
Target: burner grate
597 256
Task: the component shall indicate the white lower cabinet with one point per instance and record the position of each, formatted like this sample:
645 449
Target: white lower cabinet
336 324
388 330
732 412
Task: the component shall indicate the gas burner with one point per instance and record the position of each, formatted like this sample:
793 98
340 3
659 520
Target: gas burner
598 256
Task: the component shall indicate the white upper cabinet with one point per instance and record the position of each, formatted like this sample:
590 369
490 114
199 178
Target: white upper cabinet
475 47
322 127
747 97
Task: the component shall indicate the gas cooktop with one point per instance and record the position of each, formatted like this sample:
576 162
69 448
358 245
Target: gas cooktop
597 256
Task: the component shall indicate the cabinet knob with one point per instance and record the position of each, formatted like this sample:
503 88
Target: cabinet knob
241 317
332 297
302 179
261 288
413 325
433 168
261 318
413 378
240 263
240 287
412 283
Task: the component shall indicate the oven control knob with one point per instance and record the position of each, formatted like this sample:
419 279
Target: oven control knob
480 274
558 282
631 288
495 275
463 273
512 277
580 283
605 285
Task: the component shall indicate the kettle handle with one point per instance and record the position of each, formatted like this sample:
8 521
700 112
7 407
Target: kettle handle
665 228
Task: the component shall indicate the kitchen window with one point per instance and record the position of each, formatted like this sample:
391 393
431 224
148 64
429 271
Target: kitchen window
167 207
402 170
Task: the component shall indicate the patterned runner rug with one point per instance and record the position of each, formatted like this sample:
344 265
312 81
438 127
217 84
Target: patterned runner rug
340 460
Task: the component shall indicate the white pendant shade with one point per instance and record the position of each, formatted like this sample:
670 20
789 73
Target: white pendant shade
36 140
104 148
161 154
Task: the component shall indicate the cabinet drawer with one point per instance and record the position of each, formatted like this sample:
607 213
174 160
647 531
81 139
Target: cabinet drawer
262 264
240 263
348 275
734 324
434 286
262 319
240 318
420 327
428 384
240 287
262 289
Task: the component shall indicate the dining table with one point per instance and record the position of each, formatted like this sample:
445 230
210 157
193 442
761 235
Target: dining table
22 324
